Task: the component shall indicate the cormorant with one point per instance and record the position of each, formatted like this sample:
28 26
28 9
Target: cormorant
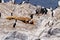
0 14
31 16
11 14
14 25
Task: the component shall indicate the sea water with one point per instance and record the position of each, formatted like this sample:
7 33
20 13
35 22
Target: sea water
44 3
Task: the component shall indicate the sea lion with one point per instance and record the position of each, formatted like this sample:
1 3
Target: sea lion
23 19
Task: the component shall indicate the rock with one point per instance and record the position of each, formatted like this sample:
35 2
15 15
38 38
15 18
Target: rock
52 35
49 13
37 39
56 13
6 23
15 36
24 25
22 11
44 27
56 31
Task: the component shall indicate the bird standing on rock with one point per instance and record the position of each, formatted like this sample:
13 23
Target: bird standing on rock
14 24
11 14
31 16
0 14
52 13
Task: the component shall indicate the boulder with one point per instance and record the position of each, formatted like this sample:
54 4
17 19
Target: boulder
15 36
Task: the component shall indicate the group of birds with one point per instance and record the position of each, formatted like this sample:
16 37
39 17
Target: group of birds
38 11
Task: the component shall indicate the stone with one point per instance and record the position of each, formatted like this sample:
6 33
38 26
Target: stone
45 26
16 36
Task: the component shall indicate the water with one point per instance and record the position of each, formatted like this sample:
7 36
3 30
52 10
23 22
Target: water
45 3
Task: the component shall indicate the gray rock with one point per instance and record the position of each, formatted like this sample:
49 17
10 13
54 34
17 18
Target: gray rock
56 32
16 36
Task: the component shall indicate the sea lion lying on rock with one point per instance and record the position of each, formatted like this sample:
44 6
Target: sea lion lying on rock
23 19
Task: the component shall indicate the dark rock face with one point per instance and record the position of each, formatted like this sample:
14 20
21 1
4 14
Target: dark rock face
49 32
37 39
16 36
56 31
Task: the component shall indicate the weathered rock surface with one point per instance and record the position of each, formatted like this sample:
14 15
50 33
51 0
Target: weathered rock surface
45 26
16 36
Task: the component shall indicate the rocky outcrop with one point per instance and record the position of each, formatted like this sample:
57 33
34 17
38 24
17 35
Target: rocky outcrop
16 36
28 23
